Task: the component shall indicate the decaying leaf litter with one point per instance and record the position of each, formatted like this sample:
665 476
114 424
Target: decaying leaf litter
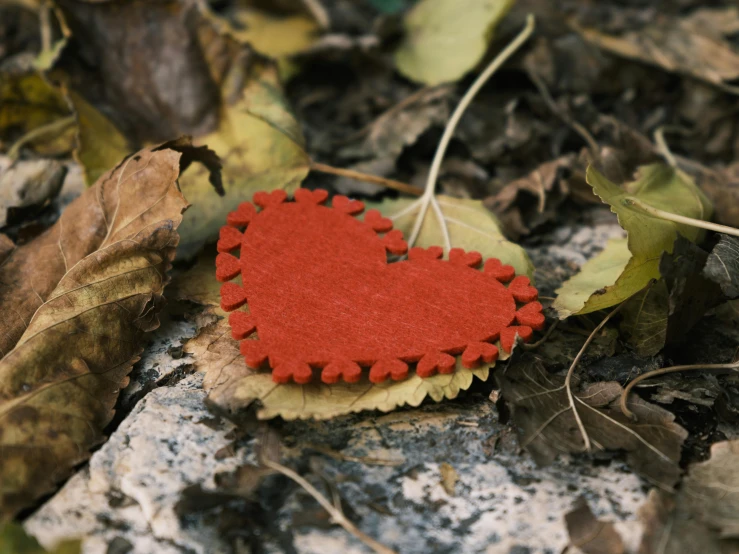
636 105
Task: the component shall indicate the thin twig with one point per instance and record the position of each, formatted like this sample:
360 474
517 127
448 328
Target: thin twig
359 459
366 177
55 127
319 13
673 369
668 216
662 148
45 26
571 371
397 108
542 340
428 198
565 117
337 515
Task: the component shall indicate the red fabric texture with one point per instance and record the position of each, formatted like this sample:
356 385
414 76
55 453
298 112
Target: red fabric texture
321 294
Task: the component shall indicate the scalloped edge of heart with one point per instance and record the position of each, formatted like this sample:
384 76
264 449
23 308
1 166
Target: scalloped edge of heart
528 317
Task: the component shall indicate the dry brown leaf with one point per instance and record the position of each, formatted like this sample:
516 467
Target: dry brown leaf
524 204
128 91
449 478
546 423
93 284
688 46
704 516
711 489
591 535
104 214
722 265
722 187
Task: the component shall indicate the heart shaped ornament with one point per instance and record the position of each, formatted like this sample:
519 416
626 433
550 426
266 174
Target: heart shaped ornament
322 295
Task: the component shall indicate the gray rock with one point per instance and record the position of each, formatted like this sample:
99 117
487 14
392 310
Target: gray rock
133 482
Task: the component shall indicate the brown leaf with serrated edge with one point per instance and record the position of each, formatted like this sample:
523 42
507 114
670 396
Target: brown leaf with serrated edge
104 214
546 424
591 535
722 265
529 202
99 273
704 515
711 489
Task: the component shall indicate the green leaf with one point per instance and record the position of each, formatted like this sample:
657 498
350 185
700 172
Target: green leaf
15 540
645 317
616 275
232 385
471 226
28 103
447 38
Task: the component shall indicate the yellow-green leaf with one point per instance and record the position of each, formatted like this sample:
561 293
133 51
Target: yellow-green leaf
15 540
261 148
278 36
234 386
645 315
471 226
28 103
616 274
446 38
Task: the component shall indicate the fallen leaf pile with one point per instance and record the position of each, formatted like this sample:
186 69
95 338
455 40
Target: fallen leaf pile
545 420
72 332
594 162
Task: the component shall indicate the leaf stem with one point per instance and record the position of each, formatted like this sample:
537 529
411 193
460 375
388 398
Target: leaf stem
337 515
428 198
668 216
672 369
367 178
662 147
571 371
542 340
55 127
566 118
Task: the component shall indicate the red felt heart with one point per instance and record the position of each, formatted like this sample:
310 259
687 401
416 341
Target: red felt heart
322 294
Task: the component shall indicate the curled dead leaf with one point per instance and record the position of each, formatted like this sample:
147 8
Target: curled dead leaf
93 285
722 265
111 211
702 516
234 102
546 423
693 45
589 534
